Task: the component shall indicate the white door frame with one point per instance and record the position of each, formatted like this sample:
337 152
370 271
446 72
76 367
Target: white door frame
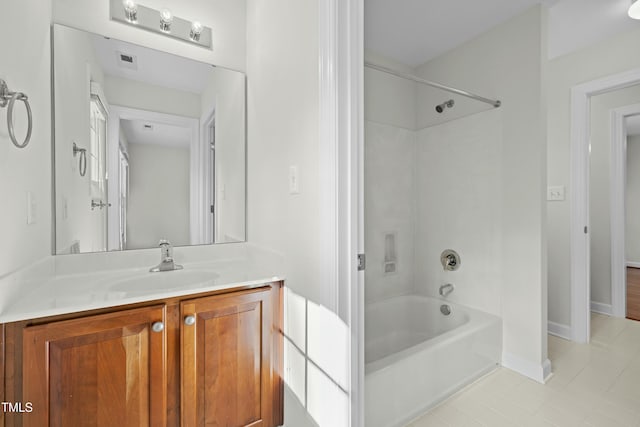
580 251
117 113
618 207
341 57
209 229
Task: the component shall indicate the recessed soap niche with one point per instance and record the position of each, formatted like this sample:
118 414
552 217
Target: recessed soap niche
390 263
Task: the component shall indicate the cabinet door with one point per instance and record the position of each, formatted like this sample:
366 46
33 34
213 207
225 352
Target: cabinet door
104 370
226 360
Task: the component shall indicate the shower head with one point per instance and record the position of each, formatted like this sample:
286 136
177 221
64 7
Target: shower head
447 104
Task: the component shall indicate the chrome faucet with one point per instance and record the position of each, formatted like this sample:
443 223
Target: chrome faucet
166 258
446 289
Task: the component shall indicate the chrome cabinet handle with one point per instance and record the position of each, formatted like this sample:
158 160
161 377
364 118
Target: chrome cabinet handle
190 320
157 327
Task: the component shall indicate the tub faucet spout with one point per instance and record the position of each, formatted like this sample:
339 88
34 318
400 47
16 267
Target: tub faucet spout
446 289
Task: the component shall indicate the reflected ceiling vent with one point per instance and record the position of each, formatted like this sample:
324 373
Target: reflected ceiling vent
126 60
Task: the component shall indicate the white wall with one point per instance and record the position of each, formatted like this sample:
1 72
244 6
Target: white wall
632 230
401 102
613 55
76 66
226 93
142 96
227 18
25 67
29 170
458 169
599 188
390 204
389 177
124 142
389 99
576 24
506 63
151 188
283 130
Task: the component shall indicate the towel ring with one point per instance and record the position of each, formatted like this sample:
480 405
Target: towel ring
8 99
82 166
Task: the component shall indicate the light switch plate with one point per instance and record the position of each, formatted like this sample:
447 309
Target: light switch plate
294 181
555 193
32 207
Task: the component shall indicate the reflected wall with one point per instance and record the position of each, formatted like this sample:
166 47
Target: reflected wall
159 147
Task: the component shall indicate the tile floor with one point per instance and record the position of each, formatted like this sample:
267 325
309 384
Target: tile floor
596 384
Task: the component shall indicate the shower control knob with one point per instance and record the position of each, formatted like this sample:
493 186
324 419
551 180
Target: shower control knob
450 260
190 320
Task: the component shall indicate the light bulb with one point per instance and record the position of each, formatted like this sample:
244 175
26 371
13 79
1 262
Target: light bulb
196 30
634 10
166 18
130 10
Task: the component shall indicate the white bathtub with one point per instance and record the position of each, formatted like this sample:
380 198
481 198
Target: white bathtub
415 356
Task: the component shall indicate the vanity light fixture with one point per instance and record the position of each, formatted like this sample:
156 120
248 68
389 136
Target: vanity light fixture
634 9
196 30
160 22
166 18
130 10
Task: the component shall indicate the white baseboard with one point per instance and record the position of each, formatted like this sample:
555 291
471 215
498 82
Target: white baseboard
633 264
601 308
540 373
559 330
546 370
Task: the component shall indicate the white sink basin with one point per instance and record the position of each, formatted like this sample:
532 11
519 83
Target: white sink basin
162 281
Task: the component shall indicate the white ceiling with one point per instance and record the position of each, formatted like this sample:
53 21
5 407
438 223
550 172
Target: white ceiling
575 24
160 134
153 66
415 31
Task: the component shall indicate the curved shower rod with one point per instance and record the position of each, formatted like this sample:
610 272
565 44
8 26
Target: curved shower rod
494 102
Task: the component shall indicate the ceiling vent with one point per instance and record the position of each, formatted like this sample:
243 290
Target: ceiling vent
126 60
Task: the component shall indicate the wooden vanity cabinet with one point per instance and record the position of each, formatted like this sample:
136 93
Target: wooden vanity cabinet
211 360
226 359
105 370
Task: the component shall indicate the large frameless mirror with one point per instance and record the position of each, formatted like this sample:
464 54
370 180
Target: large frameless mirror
148 146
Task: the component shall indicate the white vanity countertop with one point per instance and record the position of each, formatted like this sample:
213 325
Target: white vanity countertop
69 293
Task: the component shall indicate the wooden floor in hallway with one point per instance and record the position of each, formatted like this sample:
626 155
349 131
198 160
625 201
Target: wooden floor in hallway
633 293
